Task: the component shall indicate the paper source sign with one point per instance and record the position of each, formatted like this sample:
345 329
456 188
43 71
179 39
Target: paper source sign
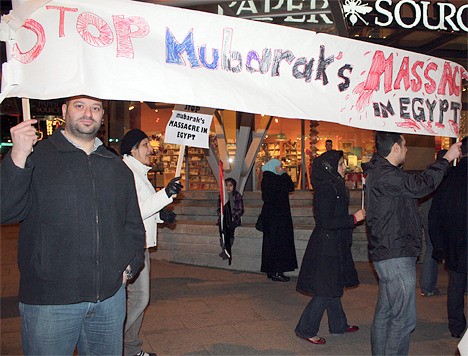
446 16
189 126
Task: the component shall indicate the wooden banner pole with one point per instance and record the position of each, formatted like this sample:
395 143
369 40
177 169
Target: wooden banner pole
180 160
26 109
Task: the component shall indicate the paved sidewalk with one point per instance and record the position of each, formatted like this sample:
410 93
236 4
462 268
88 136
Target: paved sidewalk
207 311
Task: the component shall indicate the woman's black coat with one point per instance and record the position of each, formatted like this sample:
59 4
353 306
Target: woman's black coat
278 249
448 219
328 266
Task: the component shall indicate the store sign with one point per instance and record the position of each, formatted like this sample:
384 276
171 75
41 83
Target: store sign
190 126
448 17
263 8
46 107
140 51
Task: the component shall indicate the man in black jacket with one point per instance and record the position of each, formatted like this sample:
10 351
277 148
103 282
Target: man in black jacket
448 231
81 234
395 237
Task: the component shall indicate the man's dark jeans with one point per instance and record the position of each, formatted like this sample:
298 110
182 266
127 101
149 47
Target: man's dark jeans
395 312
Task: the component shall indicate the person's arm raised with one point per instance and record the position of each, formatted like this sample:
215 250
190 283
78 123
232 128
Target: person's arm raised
453 152
24 138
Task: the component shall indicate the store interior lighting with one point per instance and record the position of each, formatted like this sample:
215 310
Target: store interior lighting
281 137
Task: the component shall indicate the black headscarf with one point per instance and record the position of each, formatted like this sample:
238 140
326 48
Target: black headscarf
325 170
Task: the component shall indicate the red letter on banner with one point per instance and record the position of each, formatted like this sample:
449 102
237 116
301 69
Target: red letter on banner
403 73
431 85
380 65
33 53
62 10
124 33
105 37
416 84
449 78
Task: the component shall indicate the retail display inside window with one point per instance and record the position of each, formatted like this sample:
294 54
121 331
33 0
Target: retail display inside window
164 162
200 175
289 152
292 159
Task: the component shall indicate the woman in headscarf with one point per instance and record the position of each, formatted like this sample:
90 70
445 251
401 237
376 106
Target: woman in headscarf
328 267
278 250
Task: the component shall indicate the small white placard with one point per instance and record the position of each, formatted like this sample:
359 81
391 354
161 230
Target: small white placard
190 126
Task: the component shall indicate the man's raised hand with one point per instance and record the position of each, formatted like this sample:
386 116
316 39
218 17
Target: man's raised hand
453 152
24 138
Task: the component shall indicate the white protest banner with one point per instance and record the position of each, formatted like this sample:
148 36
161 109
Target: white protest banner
189 125
126 50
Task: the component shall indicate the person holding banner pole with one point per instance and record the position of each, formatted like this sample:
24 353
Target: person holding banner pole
136 151
363 192
448 231
395 237
81 235
429 268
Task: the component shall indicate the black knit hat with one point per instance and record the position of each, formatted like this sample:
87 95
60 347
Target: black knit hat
131 139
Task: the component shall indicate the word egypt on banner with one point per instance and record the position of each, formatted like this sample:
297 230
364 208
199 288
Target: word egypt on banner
302 74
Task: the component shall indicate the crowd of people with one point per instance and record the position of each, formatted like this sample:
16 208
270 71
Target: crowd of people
89 216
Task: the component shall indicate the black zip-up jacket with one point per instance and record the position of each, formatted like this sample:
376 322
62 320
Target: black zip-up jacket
80 222
391 206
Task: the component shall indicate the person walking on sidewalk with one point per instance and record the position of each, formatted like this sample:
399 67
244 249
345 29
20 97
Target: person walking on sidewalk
395 237
81 234
448 231
278 249
136 150
328 267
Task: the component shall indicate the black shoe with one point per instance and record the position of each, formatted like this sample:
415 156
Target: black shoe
279 277
269 275
456 336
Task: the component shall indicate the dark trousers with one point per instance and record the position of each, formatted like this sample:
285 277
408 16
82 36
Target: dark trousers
309 323
456 302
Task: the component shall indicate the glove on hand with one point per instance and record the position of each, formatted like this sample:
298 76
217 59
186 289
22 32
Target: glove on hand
167 216
173 187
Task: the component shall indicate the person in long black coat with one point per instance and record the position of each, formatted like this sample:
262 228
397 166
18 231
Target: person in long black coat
278 249
448 231
328 266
